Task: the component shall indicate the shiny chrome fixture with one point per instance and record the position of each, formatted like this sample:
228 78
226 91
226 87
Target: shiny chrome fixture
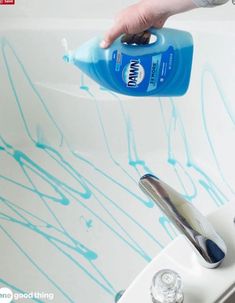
207 244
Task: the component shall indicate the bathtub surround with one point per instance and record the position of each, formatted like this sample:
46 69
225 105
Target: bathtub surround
71 153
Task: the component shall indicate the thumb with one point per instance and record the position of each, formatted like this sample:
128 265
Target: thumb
112 35
160 22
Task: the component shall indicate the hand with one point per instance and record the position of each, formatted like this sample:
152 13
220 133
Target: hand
143 15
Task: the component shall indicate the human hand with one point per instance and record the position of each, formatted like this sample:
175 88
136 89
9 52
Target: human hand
143 15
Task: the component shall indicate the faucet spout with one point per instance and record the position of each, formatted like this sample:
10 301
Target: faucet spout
207 244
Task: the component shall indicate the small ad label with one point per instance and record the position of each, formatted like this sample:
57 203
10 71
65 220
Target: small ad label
7 2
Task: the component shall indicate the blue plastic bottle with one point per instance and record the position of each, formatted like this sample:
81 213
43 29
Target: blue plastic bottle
161 68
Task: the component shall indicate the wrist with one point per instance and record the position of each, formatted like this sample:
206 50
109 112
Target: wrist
168 7
180 6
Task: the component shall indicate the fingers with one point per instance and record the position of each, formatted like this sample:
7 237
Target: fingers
133 20
160 22
112 35
122 22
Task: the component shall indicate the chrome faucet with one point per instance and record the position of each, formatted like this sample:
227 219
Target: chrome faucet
207 244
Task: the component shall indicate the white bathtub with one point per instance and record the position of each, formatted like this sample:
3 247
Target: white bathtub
73 222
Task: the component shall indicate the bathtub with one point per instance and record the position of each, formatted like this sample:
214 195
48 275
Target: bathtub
74 227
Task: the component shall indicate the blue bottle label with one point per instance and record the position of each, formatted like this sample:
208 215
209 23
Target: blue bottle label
143 73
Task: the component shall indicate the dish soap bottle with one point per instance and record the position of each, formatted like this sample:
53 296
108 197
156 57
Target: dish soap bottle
158 68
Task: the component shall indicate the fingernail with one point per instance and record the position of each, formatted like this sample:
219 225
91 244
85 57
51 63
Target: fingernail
103 44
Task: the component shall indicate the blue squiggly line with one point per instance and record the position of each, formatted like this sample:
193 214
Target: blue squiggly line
35 264
229 112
